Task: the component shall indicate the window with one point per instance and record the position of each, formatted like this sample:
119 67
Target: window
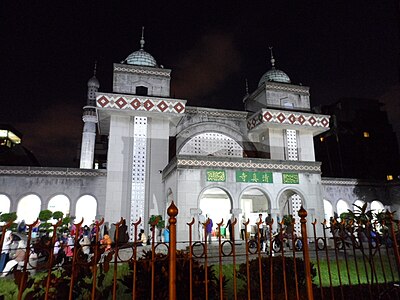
321 138
142 90
366 134
291 145
389 177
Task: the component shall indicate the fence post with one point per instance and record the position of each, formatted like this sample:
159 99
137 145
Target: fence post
303 214
172 213
394 239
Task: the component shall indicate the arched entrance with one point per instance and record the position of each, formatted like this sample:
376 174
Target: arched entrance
254 202
290 203
216 204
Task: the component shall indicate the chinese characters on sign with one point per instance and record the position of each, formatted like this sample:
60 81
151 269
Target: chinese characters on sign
254 177
216 175
290 178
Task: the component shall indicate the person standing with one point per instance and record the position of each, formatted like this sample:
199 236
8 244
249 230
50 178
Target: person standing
202 220
18 258
209 229
259 223
230 227
5 252
243 228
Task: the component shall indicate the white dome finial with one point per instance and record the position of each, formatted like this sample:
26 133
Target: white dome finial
272 58
142 39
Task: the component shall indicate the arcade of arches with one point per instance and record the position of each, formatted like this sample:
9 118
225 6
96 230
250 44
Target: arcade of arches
343 206
217 204
29 207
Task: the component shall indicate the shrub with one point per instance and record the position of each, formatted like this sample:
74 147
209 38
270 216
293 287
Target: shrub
161 282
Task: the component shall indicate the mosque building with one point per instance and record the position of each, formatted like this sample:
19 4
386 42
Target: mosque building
217 162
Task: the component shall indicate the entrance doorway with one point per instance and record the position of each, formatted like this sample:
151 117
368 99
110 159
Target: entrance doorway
217 205
254 202
289 205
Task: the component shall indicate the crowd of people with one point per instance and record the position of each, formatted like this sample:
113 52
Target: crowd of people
13 252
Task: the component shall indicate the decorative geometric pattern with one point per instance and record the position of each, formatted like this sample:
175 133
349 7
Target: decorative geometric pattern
60 172
212 143
126 102
287 88
303 167
291 144
138 170
214 113
339 182
165 73
287 117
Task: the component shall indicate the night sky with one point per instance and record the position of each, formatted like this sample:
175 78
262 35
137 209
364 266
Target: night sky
47 52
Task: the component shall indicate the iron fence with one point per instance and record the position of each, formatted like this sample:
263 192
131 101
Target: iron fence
339 260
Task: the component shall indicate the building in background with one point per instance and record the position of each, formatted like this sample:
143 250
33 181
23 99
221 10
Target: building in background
12 152
361 142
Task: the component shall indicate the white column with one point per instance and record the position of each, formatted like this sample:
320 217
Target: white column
119 168
88 140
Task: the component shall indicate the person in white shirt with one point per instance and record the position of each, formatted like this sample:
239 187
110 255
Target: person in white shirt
259 223
5 252
202 220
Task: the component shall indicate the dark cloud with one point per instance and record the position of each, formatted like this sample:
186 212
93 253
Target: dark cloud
205 67
54 136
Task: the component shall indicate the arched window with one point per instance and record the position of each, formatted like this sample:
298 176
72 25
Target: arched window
212 144
28 208
328 209
377 206
342 207
5 204
86 208
358 203
59 203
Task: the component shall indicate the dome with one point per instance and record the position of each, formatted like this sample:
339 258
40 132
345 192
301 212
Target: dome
141 58
274 75
93 82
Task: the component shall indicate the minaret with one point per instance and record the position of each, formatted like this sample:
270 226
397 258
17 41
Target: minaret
89 128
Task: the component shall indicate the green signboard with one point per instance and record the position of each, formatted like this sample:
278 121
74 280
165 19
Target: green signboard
254 177
216 175
290 178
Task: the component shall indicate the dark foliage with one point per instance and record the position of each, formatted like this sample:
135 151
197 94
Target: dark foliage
161 278
278 278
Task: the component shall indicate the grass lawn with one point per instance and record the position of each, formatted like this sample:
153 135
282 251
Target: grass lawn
382 270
